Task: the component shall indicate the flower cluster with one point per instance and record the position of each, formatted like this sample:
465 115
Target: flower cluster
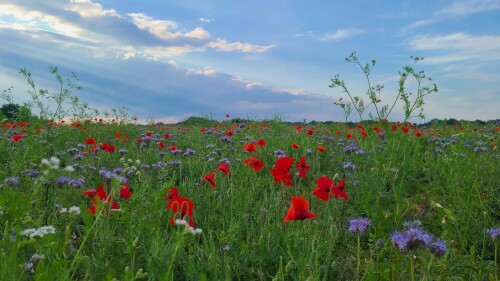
40 232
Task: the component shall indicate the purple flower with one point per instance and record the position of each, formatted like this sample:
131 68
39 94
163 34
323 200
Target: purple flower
60 181
32 173
189 151
123 151
162 153
76 183
359 225
13 181
225 161
438 248
279 153
105 173
144 166
348 166
494 233
308 151
412 237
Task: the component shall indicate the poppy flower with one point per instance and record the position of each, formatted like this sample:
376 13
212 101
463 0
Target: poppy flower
337 133
17 137
254 163
281 171
418 134
321 148
229 133
338 190
299 210
224 167
125 191
364 133
348 136
149 134
261 142
110 148
302 166
167 136
161 145
210 179
325 189
90 141
404 130
172 147
310 132
179 205
295 145
100 196
250 147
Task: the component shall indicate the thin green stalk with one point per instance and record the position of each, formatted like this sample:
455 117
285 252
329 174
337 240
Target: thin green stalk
412 269
358 268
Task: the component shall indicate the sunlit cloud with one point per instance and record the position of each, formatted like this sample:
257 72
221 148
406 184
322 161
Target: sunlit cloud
223 45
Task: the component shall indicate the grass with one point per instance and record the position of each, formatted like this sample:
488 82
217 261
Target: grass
400 177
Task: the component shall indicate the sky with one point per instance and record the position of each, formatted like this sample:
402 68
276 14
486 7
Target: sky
168 60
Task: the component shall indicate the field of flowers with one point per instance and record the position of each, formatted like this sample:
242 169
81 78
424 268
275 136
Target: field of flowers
245 200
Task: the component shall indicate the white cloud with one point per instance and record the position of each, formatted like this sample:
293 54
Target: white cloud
207 71
340 34
463 46
87 8
199 33
205 20
468 7
223 45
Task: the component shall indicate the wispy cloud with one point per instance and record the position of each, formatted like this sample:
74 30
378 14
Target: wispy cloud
205 20
223 45
339 34
463 47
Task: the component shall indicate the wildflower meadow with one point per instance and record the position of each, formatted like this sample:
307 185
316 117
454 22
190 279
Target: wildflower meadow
238 199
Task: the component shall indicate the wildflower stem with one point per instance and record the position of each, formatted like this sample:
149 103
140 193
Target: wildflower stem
359 257
412 269
428 267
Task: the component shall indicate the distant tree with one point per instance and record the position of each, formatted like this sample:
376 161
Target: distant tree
10 110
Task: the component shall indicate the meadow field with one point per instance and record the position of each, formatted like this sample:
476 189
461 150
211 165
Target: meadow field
235 199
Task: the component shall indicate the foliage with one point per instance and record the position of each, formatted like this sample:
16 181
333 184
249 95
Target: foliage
360 106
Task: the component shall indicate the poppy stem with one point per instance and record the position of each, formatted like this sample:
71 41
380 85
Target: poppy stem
359 257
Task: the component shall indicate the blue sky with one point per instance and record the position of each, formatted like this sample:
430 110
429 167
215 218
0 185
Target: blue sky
168 60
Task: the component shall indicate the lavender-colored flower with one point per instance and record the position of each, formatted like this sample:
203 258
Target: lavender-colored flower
309 151
225 139
72 151
381 134
123 151
162 153
117 170
412 237
279 153
78 156
81 145
348 166
174 163
158 165
438 248
176 151
350 148
225 161
494 233
76 183
105 173
12 181
32 173
60 181
77 166
144 166
189 151
359 225
438 149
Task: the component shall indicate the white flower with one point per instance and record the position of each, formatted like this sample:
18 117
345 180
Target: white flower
180 222
69 168
75 210
63 210
40 232
194 231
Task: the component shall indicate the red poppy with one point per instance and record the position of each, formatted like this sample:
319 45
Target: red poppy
302 166
149 134
310 132
418 134
110 148
210 179
227 115
261 142
181 206
338 190
281 171
364 133
90 141
173 147
161 145
254 163
100 196
295 145
250 147
405 130
337 133
326 189
321 148
17 137
348 136
299 210
229 133
394 127
224 167
167 136
125 191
